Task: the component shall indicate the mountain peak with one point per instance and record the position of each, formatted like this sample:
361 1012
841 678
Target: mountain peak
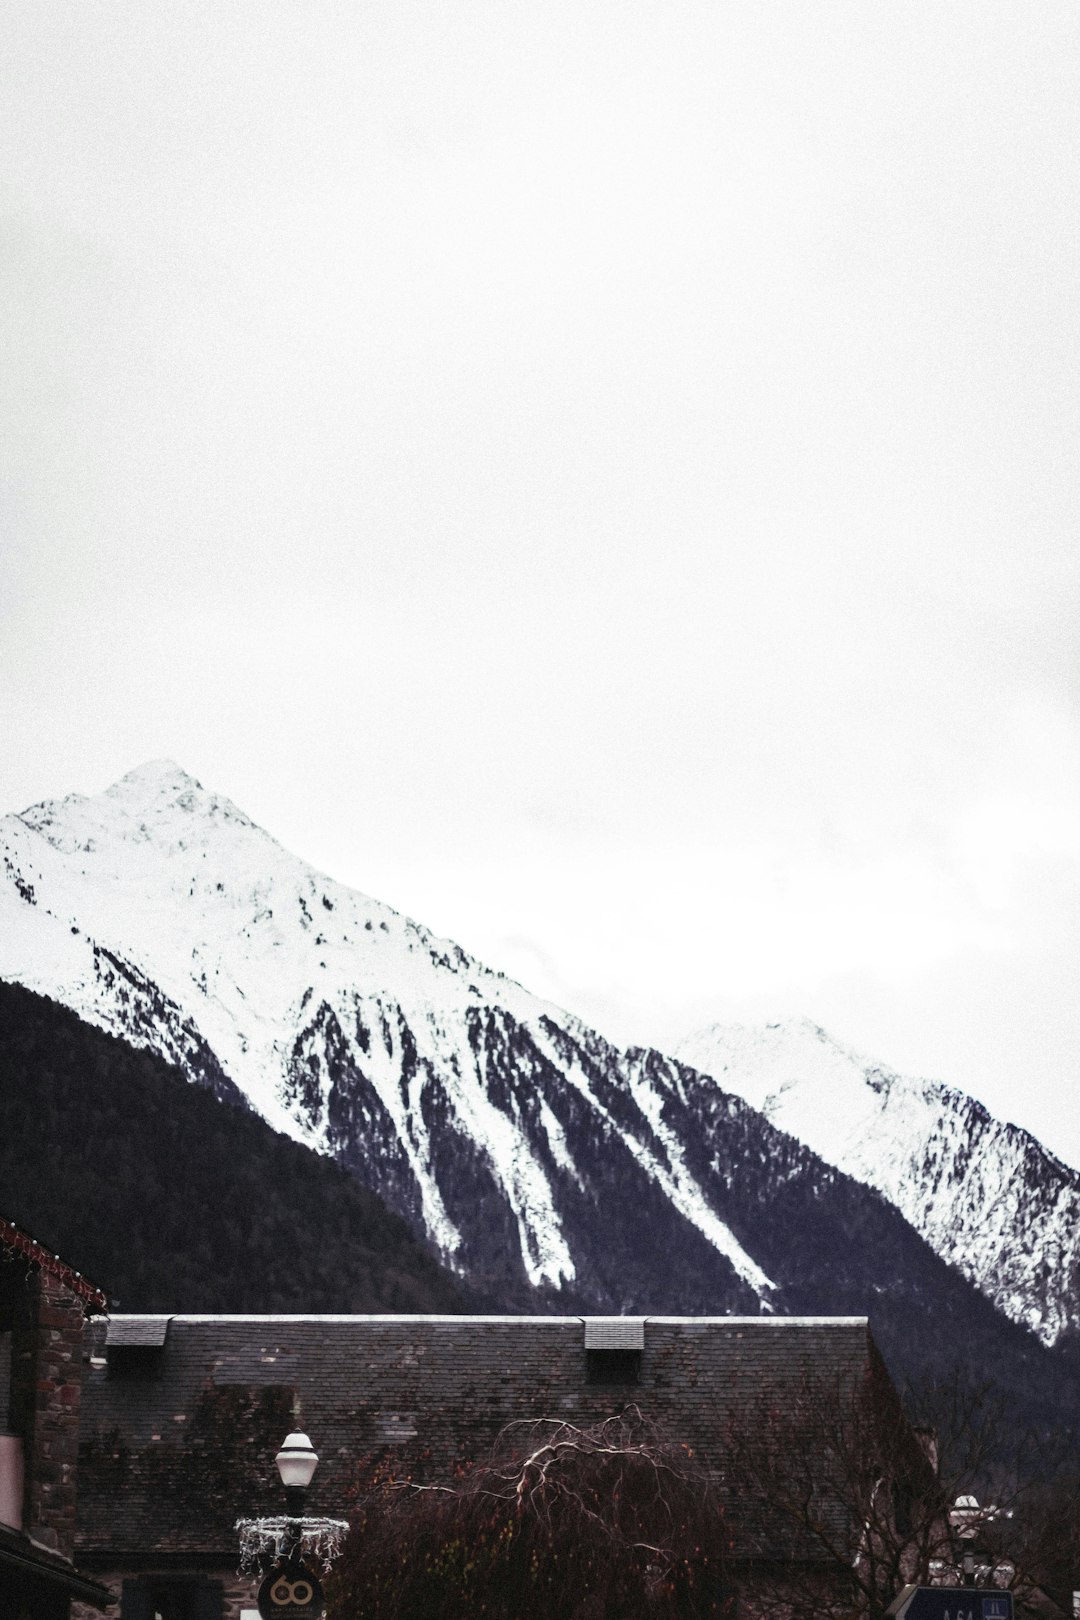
793 1031
156 791
161 778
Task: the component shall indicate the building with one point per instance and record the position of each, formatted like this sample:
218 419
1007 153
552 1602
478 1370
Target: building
182 1416
44 1305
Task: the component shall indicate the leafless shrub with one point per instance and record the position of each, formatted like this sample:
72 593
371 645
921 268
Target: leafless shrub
559 1521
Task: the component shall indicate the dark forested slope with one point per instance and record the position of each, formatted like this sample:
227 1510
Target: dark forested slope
171 1200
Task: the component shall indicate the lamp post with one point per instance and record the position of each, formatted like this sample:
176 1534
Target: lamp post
296 1463
969 1521
272 1547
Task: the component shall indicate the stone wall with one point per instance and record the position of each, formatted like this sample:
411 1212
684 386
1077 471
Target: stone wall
46 1370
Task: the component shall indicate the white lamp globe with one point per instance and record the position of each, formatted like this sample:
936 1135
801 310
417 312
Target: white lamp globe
296 1460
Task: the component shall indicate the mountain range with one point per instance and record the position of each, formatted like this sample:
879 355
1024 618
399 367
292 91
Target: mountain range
549 1168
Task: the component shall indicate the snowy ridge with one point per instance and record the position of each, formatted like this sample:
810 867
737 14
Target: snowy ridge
984 1194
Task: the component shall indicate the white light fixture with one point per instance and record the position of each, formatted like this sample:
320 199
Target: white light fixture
296 1461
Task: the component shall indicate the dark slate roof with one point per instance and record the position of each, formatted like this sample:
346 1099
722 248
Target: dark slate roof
176 1447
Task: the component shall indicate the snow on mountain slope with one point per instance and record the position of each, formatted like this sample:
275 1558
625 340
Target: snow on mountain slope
162 913
984 1194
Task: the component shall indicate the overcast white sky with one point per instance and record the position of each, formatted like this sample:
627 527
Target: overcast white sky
600 477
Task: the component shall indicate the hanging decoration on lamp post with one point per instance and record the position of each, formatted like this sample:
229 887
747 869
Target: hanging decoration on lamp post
288 1549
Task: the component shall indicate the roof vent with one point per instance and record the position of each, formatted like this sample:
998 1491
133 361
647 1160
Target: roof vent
135 1346
614 1333
147 1331
613 1349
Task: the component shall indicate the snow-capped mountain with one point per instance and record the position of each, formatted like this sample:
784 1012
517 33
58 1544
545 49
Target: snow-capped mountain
984 1194
544 1163
162 913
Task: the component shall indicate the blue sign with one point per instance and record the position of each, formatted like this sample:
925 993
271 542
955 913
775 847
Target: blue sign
951 1603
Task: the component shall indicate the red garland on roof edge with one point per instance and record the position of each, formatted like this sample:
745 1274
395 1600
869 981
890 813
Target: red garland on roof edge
14 1238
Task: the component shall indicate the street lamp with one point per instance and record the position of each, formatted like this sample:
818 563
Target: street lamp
274 1543
296 1463
968 1520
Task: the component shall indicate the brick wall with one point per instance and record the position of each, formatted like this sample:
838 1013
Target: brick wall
46 1356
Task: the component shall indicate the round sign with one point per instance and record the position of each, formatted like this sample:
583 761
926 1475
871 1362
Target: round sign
290 1592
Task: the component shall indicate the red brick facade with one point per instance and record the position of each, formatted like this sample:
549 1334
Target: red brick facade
43 1306
46 1377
